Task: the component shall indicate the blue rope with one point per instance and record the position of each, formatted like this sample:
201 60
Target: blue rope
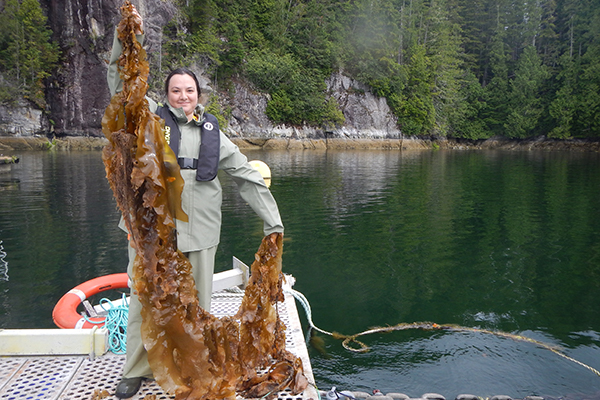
115 323
306 305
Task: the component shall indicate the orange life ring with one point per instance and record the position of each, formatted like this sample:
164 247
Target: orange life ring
65 314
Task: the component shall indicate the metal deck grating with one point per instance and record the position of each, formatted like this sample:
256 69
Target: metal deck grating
79 377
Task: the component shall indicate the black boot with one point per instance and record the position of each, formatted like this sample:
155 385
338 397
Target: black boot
128 387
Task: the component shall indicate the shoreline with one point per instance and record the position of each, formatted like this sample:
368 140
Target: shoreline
81 143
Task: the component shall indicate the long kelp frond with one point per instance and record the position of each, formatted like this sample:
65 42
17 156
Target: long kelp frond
193 354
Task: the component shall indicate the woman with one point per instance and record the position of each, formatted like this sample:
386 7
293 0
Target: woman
202 149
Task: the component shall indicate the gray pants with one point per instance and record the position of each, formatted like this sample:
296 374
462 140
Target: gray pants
203 265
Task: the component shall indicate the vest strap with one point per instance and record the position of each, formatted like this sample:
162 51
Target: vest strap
187 163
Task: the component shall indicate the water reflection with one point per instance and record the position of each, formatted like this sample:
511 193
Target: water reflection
497 240
3 264
57 224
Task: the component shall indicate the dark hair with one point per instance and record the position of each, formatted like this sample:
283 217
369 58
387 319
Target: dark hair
182 71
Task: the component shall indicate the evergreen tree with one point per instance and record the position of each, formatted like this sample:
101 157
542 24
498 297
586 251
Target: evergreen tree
466 120
524 107
565 105
312 37
416 113
588 115
575 107
444 50
496 92
27 53
473 18
547 39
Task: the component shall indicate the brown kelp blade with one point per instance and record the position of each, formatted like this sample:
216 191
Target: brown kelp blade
193 354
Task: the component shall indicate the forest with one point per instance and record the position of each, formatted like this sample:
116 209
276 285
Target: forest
469 69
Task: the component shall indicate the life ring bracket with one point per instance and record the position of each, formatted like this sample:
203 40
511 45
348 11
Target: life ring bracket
65 314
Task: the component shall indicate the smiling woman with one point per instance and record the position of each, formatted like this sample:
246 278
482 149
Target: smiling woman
183 91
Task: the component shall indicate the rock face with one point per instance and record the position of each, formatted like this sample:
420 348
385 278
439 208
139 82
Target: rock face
78 95
23 120
367 116
248 114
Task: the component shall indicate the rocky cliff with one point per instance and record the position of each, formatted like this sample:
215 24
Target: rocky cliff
77 93
366 116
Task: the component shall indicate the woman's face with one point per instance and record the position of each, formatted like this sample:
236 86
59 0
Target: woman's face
183 94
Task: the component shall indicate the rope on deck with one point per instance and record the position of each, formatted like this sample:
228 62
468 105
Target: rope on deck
115 323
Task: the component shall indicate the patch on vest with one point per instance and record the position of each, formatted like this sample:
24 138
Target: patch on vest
167 132
208 126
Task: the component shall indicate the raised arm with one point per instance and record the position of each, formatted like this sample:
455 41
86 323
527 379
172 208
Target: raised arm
112 75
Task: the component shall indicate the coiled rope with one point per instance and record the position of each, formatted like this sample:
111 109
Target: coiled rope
350 341
115 323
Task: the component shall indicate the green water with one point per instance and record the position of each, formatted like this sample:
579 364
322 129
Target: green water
496 240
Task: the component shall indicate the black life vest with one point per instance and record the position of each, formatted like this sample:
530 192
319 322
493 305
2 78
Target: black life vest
210 143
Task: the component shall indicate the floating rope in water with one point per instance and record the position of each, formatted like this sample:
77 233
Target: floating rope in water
349 340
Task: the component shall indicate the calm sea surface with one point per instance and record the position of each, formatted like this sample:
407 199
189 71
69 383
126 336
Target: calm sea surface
503 241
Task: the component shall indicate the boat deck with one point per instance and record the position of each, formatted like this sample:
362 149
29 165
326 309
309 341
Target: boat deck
74 377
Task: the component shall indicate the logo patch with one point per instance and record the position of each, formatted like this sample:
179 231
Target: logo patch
167 132
208 126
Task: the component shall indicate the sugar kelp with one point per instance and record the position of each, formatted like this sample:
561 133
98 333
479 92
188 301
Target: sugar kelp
193 354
